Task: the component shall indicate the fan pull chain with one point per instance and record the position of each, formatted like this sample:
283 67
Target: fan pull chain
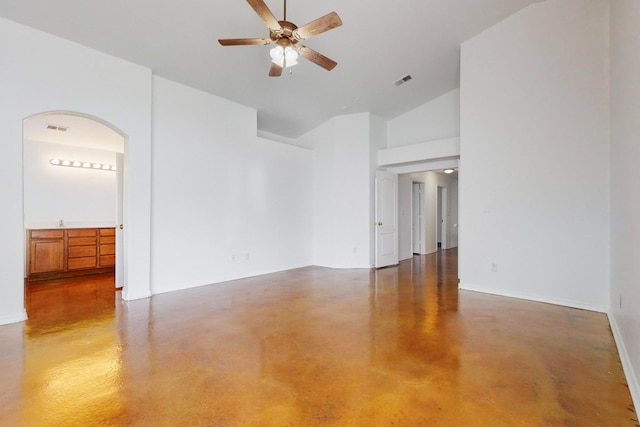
285 10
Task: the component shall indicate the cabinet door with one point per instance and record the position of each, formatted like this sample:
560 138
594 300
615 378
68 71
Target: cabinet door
46 256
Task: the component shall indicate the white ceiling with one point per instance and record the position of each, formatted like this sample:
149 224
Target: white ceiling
380 42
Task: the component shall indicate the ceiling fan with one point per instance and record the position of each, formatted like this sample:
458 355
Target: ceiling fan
286 36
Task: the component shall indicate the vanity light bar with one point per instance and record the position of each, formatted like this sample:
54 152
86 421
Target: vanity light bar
82 165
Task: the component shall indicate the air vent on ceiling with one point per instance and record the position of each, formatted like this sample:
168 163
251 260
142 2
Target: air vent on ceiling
58 128
403 80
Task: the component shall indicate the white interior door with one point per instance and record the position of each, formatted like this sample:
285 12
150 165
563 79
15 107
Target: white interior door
386 219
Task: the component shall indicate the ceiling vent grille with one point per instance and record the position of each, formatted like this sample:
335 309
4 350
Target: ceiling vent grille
403 80
58 128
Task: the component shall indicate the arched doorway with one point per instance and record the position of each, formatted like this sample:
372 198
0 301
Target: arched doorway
74 198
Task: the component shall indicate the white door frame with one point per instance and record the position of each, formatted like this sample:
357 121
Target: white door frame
120 258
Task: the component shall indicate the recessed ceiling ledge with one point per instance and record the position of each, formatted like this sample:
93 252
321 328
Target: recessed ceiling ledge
440 149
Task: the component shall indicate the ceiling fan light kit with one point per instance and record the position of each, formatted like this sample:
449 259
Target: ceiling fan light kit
284 57
287 36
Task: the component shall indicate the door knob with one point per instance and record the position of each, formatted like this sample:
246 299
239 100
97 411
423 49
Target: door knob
379 223
121 226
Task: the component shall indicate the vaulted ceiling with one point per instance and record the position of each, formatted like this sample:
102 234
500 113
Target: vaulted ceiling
379 42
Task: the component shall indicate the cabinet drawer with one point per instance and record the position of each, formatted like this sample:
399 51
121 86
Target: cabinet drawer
107 249
78 263
82 232
107 232
107 239
107 260
75 241
82 251
47 234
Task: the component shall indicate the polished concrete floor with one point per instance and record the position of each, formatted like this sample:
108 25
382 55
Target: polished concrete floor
314 346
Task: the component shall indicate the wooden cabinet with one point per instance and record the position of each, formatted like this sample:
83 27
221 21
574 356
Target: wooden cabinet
57 253
46 251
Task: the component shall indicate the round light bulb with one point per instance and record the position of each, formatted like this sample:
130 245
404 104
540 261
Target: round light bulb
66 163
97 165
77 164
54 161
86 165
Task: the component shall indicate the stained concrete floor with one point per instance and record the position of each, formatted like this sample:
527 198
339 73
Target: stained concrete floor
313 346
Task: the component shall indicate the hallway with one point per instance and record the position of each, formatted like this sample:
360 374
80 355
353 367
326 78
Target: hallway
311 346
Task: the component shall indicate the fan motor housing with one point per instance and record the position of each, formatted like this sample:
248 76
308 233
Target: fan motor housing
285 37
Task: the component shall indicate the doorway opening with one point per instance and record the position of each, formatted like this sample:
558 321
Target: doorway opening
428 212
441 218
417 217
73 205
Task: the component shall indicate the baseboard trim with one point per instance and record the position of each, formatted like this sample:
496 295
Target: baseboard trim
129 297
536 298
627 367
8 320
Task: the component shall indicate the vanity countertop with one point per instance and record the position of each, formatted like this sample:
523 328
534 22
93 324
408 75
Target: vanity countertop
69 226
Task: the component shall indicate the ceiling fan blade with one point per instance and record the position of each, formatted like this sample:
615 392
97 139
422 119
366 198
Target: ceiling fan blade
265 14
319 26
275 70
243 42
317 58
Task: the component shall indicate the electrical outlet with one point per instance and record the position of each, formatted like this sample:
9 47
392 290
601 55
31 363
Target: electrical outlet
494 268
620 300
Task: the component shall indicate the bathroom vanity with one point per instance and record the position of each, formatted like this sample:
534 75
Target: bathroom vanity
64 252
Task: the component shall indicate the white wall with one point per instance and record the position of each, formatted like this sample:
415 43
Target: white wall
352 201
437 119
80 197
377 142
625 176
342 207
226 203
534 181
321 140
43 73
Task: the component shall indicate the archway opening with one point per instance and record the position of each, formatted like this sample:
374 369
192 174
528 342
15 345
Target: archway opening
73 202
